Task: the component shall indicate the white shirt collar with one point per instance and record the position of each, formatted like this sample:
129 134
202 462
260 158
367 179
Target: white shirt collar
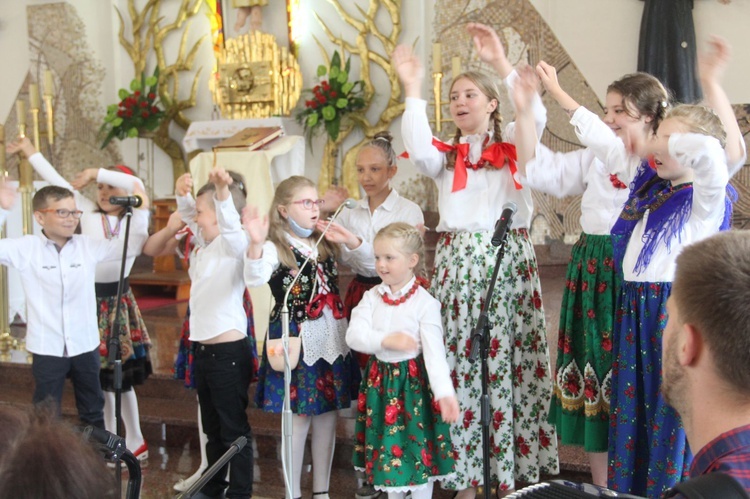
384 288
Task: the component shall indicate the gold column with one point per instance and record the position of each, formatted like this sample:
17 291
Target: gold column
6 341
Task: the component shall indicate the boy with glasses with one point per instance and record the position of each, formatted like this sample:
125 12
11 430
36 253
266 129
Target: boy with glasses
57 273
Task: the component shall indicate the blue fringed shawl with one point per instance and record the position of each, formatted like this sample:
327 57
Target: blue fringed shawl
669 209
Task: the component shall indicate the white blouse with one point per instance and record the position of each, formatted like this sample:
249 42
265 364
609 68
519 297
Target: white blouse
365 224
373 319
708 160
92 222
478 206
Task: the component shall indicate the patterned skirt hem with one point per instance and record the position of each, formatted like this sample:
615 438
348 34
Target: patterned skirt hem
410 488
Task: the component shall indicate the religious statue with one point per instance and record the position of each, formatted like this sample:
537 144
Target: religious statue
249 9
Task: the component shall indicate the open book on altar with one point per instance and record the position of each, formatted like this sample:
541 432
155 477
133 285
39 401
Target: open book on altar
249 139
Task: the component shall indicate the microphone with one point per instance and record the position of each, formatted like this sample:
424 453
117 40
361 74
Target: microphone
503 223
134 201
350 203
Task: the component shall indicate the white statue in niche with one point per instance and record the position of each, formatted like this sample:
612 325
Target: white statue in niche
251 10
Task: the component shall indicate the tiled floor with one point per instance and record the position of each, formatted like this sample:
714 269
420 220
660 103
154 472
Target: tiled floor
168 415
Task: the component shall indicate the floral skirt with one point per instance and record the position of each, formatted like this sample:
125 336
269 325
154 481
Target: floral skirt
134 341
583 374
183 365
523 444
315 389
648 451
402 441
354 293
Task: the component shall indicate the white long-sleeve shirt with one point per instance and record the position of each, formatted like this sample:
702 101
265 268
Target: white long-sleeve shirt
365 224
708 160
92 221
478 206
373 319
579 172
59 288
216 272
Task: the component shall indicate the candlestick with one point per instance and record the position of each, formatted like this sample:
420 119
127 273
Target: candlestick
437 56
34 96
456 65
21 112
49 85
50 119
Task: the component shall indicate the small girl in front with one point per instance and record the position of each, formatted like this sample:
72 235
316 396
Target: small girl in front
402 443
325 380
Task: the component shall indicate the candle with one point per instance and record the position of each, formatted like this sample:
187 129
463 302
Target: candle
34 96
436 57
21 112
49 86
456 65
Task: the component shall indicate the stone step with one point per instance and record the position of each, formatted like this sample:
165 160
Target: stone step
168 413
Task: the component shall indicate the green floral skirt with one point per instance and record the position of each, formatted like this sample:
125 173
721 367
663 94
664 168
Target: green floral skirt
583 372
402 442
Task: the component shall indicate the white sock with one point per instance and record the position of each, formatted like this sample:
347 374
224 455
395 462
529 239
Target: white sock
109 412
323 444
423 493
300 427
131 420
203 439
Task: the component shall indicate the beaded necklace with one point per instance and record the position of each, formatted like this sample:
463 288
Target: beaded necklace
109 232
401 300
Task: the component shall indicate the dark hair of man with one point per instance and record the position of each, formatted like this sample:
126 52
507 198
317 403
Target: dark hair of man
711 290
50 192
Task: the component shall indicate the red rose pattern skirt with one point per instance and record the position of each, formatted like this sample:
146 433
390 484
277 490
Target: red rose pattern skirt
583 373
523 442
134 341
402 442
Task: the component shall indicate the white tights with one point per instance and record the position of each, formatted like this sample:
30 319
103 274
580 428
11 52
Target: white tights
131 419
421 493
323 443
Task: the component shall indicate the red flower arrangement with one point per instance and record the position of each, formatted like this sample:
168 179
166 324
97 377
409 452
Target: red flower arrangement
334 98
137 111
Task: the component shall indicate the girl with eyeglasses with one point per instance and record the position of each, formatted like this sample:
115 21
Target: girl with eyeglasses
102 220
325 378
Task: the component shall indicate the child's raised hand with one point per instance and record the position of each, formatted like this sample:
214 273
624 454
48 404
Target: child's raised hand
408 66
548 76
334 196
220 178
175 223
7 195
184 185
337 234
449 409
255 225
84 178
488 46
525 88
22 144
401 342
713 62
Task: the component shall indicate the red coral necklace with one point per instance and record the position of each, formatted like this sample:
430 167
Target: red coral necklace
401 300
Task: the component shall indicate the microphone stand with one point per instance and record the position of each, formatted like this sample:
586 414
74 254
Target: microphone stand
115 450
480 343
286 413
234 448
113 343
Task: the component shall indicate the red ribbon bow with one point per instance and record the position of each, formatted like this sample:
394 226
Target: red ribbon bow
496 154
316 306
